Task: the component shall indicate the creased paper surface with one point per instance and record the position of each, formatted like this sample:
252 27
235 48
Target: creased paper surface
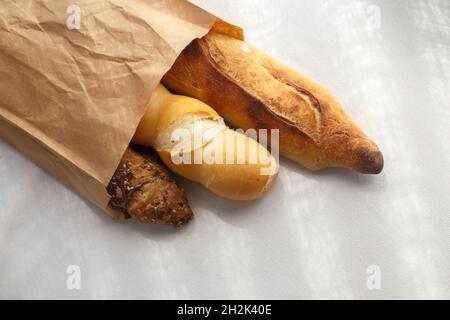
71 99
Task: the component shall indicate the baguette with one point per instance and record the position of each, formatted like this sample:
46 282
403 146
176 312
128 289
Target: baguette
251 90
143 189
237 171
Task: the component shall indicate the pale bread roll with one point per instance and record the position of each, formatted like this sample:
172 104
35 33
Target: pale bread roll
247 170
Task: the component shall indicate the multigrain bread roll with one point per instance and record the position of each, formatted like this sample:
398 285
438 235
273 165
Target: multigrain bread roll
144 190
251 90
193 141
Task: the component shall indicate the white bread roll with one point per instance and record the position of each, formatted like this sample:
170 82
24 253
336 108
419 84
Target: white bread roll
193 141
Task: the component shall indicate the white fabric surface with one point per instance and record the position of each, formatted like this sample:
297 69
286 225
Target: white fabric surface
316 234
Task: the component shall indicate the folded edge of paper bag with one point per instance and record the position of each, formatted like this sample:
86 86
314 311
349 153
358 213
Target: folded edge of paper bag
26 128
56 164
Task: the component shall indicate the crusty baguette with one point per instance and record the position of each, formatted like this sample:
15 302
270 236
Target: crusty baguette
143 189
237 171
251 90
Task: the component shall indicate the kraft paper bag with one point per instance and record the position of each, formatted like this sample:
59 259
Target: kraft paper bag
75 79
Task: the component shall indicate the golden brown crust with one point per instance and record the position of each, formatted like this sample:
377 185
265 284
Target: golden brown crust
251 90
144 190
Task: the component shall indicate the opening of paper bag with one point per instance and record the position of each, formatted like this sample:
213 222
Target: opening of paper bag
76 79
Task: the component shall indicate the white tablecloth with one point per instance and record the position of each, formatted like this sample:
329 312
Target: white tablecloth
316 235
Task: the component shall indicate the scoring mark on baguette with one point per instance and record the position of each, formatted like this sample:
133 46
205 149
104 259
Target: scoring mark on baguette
292 104
313 102
304 93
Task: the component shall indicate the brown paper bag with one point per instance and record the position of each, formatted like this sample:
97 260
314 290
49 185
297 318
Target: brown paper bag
71 98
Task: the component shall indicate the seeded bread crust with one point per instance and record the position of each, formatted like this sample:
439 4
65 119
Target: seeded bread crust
144 190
